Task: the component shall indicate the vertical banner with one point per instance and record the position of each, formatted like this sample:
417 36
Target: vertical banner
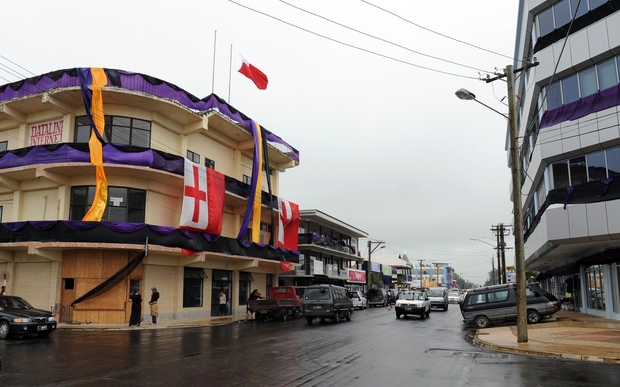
92 83
204 194
254 188
288 232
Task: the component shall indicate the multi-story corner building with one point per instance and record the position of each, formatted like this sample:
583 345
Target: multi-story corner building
87 269
395 268
568 112
328 253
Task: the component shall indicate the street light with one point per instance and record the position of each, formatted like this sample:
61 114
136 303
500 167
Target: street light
516 195
369 266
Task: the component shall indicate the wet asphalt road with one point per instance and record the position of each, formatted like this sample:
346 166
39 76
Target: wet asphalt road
374 349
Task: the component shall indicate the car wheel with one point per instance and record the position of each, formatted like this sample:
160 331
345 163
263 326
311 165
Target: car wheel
366 305
260 317
297 314
482 322
423 315
309 320
533 317
445 307
348 316
428 314
397 315
5 330
337 317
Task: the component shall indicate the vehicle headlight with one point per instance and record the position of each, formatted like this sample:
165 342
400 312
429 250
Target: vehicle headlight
51 318
21 320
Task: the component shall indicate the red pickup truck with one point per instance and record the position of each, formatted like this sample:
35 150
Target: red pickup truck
283 302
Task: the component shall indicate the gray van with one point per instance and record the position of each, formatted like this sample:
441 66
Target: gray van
326 301
486 305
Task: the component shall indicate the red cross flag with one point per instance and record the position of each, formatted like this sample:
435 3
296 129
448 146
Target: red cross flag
203 199
289 224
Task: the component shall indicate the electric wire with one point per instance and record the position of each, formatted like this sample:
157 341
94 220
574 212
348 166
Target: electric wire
381 39
437 33
351 45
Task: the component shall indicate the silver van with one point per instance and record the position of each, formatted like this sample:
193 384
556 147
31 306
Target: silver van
486 305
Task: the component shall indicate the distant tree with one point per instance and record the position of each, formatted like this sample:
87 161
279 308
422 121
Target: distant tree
463 284
492 278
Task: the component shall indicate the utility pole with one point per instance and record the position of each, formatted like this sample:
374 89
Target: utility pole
421 273
493 271
518 217
369 266
496 231
502 245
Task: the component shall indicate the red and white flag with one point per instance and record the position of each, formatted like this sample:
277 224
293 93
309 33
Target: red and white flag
203 199
258 77
289 224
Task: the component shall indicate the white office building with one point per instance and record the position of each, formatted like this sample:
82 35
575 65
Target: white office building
569 133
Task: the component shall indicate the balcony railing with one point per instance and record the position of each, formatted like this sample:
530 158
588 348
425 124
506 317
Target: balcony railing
315 239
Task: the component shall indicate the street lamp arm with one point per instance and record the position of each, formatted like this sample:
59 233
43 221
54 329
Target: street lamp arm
479 240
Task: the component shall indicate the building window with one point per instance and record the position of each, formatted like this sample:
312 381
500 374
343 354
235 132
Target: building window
193 157
245 281
247 179
591 167
4 146
126 205
561 13
193 285
118 130
209 163
596 285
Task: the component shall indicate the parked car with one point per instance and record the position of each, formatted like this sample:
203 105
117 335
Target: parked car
359 301
490 304
18 317
453 297
439 297
415 302
326 302
377 296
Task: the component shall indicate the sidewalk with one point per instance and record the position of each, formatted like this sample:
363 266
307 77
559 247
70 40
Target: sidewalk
567 335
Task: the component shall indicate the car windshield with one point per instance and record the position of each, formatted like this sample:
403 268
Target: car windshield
354 295
14 303
411 296
317 294
435 293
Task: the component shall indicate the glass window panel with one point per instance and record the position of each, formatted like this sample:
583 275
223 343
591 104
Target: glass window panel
120 135
560 174
141 124
583 8
578 172
595 3
570 89
607 74
587 82
554 96
136 215
116 214
596 166
613 162
121 121
562 13
137 198
545 22
141 138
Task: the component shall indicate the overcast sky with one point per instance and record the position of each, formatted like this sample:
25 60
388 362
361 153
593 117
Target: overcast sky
366 94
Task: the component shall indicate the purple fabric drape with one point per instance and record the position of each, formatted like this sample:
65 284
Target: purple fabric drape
142 83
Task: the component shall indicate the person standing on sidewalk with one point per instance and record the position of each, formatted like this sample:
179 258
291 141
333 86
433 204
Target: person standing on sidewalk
222 304
136 308
153 304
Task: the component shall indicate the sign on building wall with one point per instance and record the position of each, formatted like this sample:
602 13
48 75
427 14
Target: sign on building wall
46 132
357 276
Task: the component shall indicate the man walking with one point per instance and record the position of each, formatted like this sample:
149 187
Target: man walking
153 304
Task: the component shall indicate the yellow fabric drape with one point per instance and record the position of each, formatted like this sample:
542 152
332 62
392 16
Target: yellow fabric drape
256 213
96 149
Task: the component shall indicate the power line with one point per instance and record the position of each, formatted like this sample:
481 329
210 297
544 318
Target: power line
383 40
437 33
351 45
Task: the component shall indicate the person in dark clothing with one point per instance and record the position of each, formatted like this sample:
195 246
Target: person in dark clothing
136 308
255 295
153 305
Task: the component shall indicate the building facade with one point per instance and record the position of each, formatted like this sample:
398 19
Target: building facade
328 253
49 183
570 151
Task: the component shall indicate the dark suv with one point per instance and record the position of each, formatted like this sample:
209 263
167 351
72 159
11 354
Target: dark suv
326 302
377 296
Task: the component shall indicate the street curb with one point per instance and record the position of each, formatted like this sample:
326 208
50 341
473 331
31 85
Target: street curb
566 356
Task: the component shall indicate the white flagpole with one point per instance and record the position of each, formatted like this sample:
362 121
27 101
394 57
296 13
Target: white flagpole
213 76
230 72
